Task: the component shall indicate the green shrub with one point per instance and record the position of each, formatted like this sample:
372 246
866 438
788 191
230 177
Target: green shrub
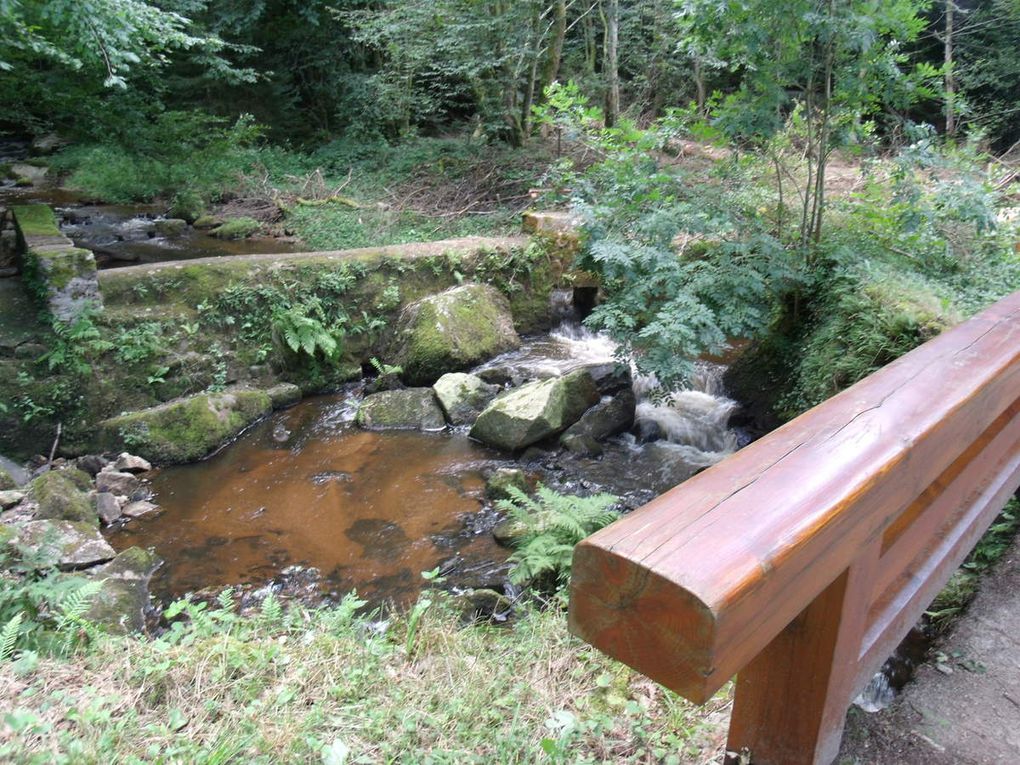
550 525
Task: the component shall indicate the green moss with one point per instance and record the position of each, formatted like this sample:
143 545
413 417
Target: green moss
61 498
453 331
6 481
236 228
35 220
185 430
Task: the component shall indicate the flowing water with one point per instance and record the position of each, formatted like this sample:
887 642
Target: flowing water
372 510
125 235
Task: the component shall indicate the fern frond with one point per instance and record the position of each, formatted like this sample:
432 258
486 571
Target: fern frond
9 636
75 603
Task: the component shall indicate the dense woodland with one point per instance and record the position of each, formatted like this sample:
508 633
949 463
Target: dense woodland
852 132
830 182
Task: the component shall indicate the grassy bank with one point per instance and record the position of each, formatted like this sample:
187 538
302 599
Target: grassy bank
293 685
337 196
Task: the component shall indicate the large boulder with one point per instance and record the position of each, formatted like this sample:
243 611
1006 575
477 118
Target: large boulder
606 418
60 498
120 605
410 409
116 482
187 429
65 544
463 396
452 331
10 498
535 411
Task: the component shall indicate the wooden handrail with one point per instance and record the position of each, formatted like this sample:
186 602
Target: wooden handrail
801 561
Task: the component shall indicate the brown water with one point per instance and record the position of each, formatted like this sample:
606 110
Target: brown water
370 510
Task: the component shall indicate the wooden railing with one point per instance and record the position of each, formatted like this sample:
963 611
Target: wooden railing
800 562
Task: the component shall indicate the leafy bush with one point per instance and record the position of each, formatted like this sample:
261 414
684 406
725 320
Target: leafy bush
301 329
176 154
550 525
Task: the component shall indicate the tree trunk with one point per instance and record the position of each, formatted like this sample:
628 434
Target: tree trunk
950 77
559 34
611 66
699 84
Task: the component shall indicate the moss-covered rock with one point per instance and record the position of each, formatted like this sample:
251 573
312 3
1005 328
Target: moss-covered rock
207 221
411 409
285 394
535 411
452 331
121 603
500 483
65 544
236 228
170 226
35 220
187 429
6 480
463 396
61 499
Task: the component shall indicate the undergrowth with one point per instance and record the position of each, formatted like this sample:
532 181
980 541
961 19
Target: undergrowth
288 684
962 587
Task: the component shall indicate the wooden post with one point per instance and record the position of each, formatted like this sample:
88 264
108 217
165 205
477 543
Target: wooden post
813 660
799 563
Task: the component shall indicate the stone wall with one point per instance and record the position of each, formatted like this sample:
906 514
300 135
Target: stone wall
9 265
65 276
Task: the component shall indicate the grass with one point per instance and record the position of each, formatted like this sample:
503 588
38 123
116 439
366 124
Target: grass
323 686
338 196
954 598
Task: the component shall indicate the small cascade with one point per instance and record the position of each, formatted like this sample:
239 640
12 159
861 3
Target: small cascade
694 420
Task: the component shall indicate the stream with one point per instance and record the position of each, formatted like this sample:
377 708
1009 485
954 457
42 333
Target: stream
307 496
126 235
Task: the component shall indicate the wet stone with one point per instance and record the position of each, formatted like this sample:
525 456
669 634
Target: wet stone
92 463
116 482
67 544
10 498
107 507
129 463
138 508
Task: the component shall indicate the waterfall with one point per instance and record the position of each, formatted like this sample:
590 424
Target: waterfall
695 419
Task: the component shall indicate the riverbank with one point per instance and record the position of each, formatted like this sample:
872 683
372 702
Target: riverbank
292 685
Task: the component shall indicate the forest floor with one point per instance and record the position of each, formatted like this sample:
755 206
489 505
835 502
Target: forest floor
963 706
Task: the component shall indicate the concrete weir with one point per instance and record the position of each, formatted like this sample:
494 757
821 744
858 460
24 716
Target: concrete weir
65 273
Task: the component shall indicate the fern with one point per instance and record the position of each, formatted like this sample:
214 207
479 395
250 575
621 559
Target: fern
225 599
9 636
552 524
272 611
302 330
76 603
385 370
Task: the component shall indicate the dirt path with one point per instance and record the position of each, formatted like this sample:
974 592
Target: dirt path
965 709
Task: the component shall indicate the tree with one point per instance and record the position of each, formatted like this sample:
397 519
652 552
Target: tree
63 59
91 36
611 61
831 63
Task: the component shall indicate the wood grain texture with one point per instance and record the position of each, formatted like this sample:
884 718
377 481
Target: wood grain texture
899 474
